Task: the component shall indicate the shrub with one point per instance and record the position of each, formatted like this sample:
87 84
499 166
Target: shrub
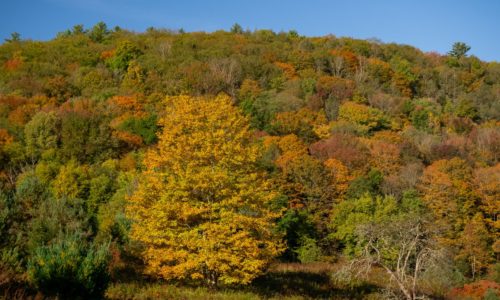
481 289
70 266
368 118
308 251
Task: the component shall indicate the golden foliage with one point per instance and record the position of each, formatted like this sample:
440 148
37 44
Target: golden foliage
128 103
129 138
5 137
323 131
448 192
384 156
474 242
290 146
70 182
288 69
380 69
249 89
22 114
350 59
201 206
302 122
388 136
487 184
340 175
402 84
367 118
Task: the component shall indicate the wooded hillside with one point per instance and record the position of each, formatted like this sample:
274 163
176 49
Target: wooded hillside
207 158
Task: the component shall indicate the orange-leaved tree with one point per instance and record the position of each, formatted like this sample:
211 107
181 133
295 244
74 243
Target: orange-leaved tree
202 207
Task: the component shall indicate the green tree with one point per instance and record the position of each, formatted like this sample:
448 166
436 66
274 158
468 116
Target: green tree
236 28
99 32
78 29
71 182
367 209
383 232
41 133
459 50
125 52
297 227
369 183
14 37
85 135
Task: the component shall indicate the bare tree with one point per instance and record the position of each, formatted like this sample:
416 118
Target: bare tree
164 48
227 71
337 66
361 72
404 248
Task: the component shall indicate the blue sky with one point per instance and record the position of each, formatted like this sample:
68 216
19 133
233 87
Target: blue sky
431 25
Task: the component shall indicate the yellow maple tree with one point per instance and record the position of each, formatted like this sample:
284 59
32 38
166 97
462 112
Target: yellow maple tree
202 208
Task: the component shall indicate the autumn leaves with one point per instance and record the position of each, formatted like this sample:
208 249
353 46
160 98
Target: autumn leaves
202 209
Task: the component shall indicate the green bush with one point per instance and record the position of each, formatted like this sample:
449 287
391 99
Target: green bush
370 183
491 294
308 251
70 266
295 226
125 52
425 115
145 128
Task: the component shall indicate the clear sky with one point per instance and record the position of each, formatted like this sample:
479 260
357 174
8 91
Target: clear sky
431 25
